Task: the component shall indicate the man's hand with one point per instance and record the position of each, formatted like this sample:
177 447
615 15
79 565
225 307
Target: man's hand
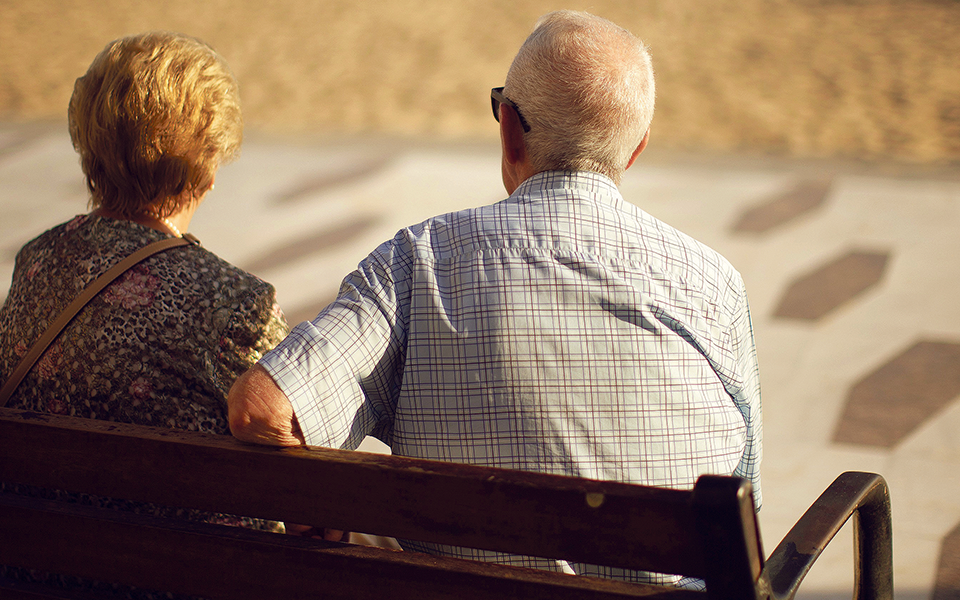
260 412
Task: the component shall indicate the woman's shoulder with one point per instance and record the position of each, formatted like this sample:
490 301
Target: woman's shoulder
94 242
233 306
51 238
210 272
234 302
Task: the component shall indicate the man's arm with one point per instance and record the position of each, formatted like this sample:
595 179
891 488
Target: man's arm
260 412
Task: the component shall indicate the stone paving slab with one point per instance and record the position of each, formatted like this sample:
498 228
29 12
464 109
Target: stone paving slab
302 213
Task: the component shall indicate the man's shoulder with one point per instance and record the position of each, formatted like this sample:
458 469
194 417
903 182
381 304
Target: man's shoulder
446 233
698 255
669 252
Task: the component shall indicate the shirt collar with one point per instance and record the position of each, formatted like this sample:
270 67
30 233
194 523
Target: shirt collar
584 181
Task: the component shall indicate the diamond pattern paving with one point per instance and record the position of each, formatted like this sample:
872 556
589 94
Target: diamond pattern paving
306 247
947 586
782 208
820 292
12 141
304 190
890 403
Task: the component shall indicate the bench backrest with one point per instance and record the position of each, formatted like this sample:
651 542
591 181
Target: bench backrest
710 532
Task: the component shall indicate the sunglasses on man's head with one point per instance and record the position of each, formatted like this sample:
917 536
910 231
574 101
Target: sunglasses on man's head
497 98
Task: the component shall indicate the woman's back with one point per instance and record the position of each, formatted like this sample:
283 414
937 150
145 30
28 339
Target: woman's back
159 346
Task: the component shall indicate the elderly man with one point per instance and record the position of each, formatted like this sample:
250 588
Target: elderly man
561 330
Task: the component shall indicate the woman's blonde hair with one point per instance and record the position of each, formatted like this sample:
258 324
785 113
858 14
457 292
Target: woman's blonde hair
153 118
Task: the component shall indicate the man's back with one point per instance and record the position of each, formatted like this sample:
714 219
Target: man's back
565 331
561 331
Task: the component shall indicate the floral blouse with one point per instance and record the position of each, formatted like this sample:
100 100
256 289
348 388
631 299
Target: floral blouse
159 346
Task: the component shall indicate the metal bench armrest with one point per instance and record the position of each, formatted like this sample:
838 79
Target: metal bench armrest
864 496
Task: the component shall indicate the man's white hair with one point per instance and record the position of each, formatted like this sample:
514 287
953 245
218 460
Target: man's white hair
585 86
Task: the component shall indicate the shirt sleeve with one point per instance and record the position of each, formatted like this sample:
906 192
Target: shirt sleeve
342 371
747 398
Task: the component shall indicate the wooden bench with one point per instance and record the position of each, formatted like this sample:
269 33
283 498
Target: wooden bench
710 532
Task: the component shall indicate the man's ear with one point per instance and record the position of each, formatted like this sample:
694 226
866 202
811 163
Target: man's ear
511 136
640 148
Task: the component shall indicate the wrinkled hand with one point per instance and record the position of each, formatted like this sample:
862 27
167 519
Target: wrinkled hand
318 533
259 412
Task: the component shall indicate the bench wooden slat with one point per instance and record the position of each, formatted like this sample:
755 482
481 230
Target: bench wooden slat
591 521
16 590
218 561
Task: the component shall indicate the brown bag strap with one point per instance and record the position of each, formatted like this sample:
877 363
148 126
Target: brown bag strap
54 329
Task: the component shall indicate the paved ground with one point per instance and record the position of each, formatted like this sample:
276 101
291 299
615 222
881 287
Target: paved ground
853 271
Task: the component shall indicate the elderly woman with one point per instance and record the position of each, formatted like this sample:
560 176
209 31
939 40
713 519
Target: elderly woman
153 118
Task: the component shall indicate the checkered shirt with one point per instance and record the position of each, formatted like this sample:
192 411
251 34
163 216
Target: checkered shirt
561 330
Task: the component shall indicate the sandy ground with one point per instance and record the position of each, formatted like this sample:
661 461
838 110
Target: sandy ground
862 79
